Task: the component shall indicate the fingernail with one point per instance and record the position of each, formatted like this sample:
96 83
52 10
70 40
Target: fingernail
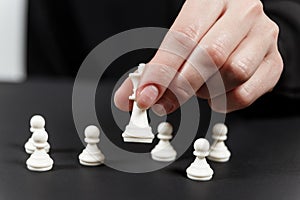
147 97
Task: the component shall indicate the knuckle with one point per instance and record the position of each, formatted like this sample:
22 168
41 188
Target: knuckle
255 7
165 74
276 62
159 74
182 94
223 3
182 89
279 63
252 8
274 30
217 52
217 106
180 40
239 70
164 69
243 97
192 32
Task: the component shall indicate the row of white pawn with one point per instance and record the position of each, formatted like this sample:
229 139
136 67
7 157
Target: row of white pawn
199 170
38 146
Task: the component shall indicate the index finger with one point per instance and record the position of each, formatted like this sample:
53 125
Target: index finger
194 20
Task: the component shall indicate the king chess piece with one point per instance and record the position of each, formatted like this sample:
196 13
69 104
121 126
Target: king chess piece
138 129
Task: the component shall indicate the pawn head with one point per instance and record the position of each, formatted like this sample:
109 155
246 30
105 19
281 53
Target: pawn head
220 131
165 128
40 138
201 145
37 122
92 131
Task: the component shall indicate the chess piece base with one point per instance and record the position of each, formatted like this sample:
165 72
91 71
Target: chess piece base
39 169
219 155
163 159
204 173
218 159
91 164
91 158
138 134
163 152
39 162
136 140
195 178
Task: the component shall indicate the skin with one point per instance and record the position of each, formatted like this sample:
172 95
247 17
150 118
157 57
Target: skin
236 36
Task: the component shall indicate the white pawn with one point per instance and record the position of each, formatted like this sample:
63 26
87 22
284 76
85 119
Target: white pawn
164 151
200 170
218 151
37 122
91 155
39 161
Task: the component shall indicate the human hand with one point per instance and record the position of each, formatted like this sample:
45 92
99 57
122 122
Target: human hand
233 36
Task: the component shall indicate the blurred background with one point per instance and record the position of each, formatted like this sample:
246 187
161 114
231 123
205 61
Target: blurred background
51 38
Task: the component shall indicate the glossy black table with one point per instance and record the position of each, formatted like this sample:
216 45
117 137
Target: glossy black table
265 161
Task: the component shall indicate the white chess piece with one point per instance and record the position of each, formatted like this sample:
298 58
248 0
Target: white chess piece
164 151
91 155
39 160
200 170
218 151
37 122
138 129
